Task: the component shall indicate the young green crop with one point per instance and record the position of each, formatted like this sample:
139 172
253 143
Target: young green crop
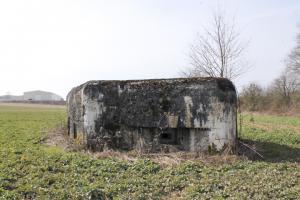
30 170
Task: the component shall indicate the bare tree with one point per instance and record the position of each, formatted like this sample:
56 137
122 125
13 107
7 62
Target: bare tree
218 52
252 97
286 86
293 59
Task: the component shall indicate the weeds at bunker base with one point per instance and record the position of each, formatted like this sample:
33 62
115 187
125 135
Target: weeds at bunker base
190 114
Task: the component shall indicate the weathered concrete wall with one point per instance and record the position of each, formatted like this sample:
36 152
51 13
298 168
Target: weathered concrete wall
194 114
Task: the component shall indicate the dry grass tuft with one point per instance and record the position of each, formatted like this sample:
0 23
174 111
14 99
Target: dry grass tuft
168 159
58 137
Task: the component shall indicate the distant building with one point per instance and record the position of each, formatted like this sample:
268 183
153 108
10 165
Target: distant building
37 95
11 98
41 96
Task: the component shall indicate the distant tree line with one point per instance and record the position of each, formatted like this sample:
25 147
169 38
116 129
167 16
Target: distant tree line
283 94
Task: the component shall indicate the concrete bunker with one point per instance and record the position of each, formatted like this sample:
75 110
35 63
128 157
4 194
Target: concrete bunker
184 114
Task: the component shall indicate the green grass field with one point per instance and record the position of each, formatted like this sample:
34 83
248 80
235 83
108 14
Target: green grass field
31 170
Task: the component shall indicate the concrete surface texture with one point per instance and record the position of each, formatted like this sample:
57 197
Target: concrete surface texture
185 114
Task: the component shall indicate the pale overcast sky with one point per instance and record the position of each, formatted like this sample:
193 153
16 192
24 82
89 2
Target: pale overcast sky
58 44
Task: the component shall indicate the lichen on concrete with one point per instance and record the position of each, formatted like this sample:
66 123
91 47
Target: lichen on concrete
190 114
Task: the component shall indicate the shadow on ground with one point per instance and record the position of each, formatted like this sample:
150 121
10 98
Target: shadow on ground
268 151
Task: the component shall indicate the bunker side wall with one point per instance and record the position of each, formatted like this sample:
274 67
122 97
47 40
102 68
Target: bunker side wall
75 109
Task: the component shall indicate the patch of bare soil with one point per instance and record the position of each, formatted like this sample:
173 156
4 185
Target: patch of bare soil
58 137
175 195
